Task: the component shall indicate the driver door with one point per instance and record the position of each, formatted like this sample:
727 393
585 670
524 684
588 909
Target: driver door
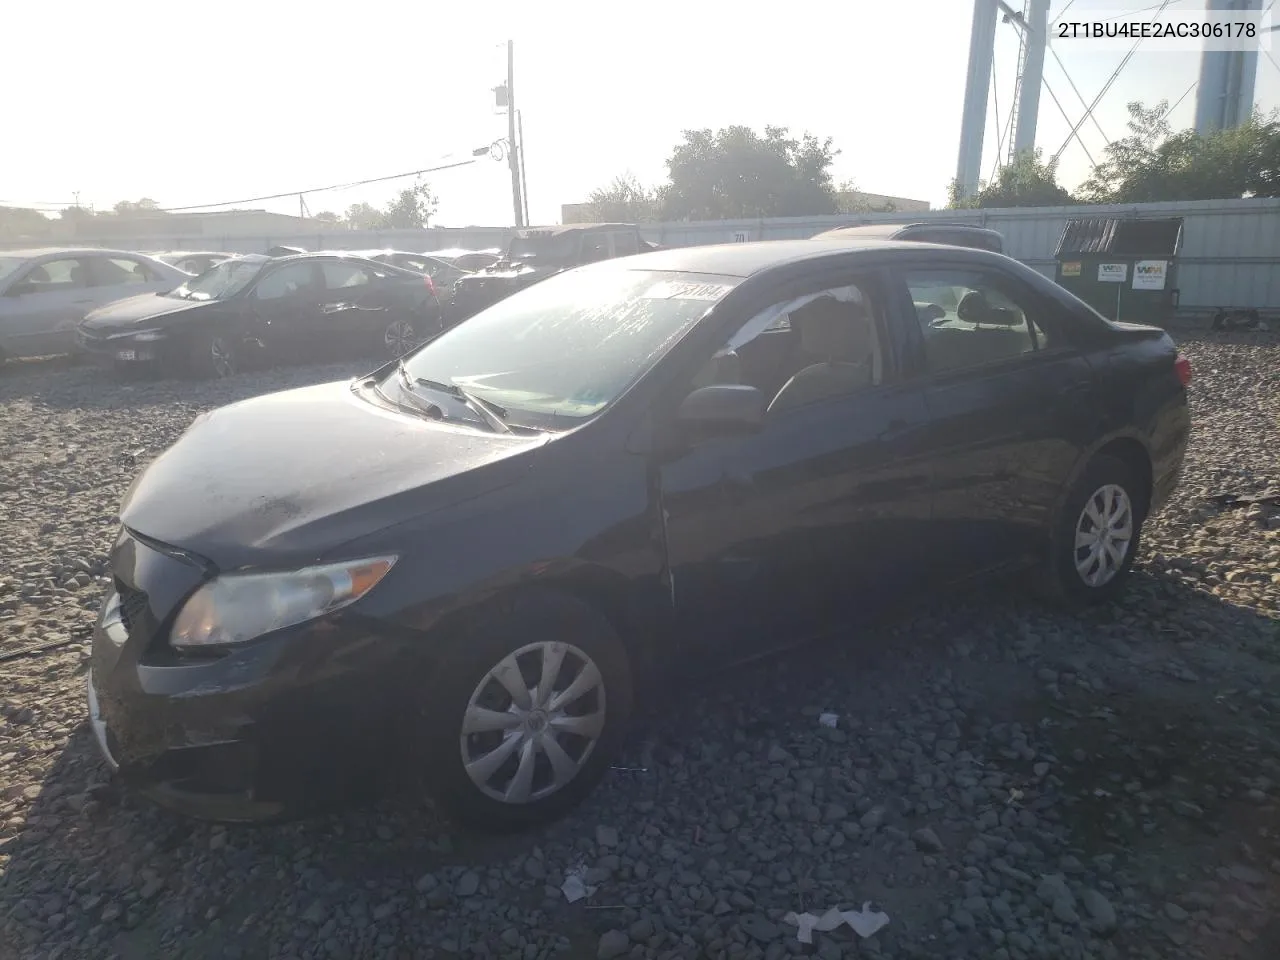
778 535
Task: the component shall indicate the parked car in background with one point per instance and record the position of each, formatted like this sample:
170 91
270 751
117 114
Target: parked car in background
255 309
45 293
469 565
951 234
537 253
194 262
469 260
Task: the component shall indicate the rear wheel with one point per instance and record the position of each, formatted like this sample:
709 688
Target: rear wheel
400 337
526 719
1097 534
213 355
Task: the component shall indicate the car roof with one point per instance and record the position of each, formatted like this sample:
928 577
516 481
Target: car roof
746 259
888 230
563 228
34 252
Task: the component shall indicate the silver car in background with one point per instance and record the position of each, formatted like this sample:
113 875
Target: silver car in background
45 293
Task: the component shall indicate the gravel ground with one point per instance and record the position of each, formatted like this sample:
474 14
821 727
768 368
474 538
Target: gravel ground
1003 782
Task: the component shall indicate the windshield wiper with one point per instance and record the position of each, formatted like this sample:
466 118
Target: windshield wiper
426 406
490 412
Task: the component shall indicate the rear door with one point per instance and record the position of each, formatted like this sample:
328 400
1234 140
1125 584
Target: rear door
284 307
118 276
1012 404
356 305
43 306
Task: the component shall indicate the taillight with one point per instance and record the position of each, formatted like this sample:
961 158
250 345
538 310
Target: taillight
1183 367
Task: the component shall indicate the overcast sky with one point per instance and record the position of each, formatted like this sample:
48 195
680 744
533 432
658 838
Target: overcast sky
199 103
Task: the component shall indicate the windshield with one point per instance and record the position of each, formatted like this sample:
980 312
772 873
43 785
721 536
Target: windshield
547 246
9 266
220 282
567 347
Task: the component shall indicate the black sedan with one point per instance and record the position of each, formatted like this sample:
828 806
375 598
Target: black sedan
256 309
468 565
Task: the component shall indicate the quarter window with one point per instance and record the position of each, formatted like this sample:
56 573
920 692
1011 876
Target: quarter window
970 318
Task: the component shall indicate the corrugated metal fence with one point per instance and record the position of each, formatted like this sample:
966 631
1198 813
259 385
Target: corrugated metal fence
1230 254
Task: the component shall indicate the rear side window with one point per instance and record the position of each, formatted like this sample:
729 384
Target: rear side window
970 318
122 271
343 275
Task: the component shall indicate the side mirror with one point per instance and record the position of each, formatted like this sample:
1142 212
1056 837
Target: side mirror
723 409
929 312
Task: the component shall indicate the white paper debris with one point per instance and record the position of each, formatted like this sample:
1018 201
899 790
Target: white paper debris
864 922
829 720
575 884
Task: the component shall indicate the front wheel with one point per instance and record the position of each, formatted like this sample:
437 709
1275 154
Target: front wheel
213 355
1097 534
527 716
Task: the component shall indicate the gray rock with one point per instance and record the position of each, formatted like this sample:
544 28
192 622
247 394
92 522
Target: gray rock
613 943
606 836
468 884
927 841
1099 910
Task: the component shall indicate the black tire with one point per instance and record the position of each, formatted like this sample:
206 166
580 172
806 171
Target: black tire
213 356
506 625
1061 581
401 336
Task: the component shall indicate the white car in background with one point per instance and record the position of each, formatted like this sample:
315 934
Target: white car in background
45 293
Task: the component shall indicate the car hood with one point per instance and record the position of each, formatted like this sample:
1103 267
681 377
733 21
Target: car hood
286 478
144 308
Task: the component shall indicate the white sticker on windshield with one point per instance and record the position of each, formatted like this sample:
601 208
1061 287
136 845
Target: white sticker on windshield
671 290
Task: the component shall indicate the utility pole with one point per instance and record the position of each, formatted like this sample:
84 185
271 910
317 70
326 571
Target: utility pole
513 151
524 177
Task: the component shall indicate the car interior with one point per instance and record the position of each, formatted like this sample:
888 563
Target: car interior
983 326
809 350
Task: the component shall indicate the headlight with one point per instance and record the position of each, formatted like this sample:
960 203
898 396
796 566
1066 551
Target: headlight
239 607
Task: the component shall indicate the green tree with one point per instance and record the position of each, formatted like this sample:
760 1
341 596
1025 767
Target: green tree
19 222
412 208
364 216
1027 182
625 200
327 216
735 173
1154 163
133 208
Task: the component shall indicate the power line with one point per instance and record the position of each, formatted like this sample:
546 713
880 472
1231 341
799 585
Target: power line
1058 104
1064 11
1188 93
1107 86
336 186
1080 96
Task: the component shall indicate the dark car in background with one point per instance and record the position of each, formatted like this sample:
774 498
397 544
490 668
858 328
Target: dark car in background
256 309
952 234
467 566
536 253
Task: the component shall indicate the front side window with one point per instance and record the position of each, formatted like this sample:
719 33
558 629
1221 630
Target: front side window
563 349
122 271
970 318
286 281
817 347
67 274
